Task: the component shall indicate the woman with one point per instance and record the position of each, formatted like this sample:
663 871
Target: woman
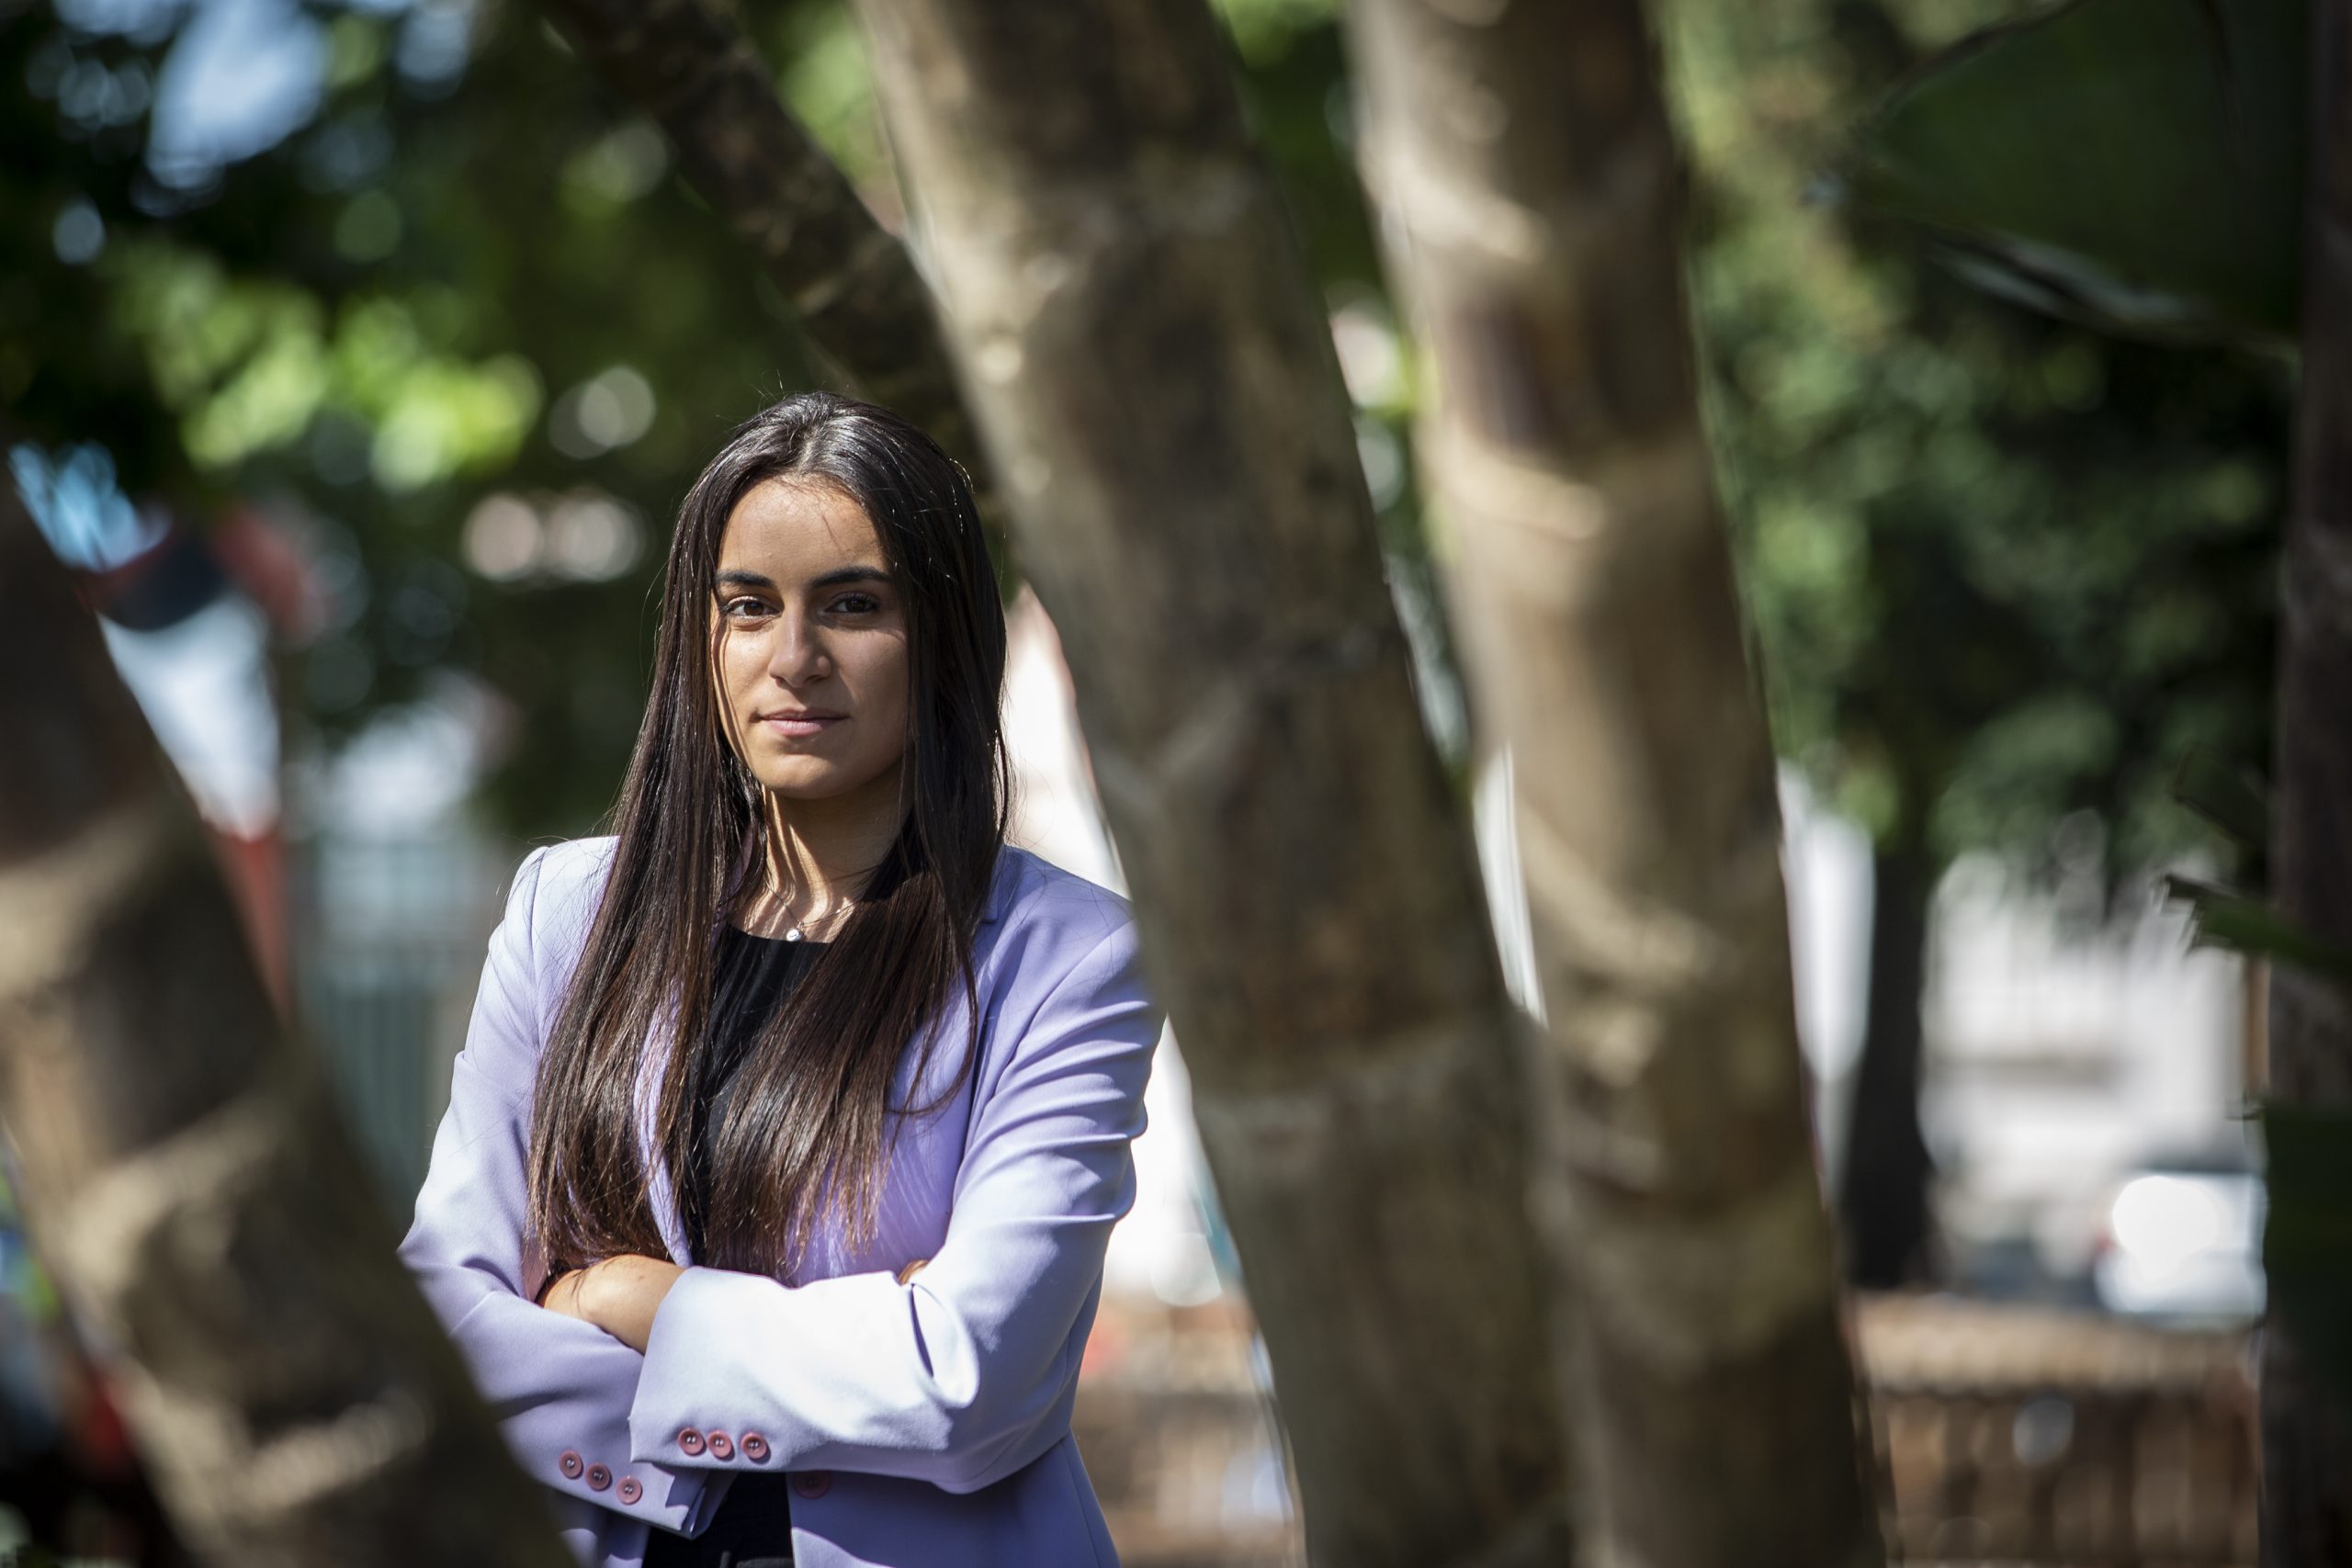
811 1288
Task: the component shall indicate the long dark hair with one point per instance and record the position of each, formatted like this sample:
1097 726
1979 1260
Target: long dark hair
806 1131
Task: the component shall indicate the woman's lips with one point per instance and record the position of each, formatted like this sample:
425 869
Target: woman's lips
784 723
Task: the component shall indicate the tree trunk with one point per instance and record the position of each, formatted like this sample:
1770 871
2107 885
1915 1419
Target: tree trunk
1522 156
1153 373
849 282
2306 1438
1882 1189
187 1180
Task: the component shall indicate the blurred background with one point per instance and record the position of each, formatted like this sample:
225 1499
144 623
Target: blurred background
355 356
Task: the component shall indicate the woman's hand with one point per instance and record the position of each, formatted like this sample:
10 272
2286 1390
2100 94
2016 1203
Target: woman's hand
560 1292
619 1295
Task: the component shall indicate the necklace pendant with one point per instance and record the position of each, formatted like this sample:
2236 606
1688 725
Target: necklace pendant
792 934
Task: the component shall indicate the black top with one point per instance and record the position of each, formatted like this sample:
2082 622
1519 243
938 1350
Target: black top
751 979
754 976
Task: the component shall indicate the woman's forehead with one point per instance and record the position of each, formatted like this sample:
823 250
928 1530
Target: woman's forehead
786 529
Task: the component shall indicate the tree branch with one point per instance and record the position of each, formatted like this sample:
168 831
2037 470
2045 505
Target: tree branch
185 1170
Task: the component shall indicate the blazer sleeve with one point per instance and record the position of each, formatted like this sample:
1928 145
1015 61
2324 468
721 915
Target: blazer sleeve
560 1388
967 1373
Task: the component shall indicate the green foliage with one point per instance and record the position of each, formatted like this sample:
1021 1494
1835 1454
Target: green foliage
826 82
1264 30
2005 571
2231 920
2228 798
391 316
2138 163
249 366
2224 916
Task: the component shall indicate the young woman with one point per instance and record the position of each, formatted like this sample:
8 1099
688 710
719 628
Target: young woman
770 1205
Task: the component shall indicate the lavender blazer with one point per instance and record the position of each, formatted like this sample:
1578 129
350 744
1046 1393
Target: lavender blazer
920 1424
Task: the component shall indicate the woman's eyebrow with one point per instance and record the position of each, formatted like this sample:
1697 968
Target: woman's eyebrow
846 574
736 576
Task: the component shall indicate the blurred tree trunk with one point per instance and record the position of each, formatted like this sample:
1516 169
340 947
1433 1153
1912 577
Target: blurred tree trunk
2306 1439
186 1174
849 282
1884 1179
1154 376
1523 158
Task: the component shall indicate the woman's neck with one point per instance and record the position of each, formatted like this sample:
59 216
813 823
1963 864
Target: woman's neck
821 852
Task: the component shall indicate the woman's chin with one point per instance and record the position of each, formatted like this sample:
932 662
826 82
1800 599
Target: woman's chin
798 785
806 782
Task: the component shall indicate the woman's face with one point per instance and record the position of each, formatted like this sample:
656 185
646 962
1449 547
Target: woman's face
811 645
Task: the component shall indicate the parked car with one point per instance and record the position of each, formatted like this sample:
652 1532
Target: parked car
2182 1240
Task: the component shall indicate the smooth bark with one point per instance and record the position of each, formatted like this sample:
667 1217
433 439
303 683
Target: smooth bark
186 1177
1154 376
2306 1438
1886 1175
1523 157
851 283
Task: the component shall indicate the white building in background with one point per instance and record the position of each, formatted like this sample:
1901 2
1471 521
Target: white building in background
2057 1062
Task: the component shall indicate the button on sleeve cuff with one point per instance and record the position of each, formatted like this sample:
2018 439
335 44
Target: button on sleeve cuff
561 1389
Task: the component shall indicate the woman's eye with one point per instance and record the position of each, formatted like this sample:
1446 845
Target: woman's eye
741 606
858 603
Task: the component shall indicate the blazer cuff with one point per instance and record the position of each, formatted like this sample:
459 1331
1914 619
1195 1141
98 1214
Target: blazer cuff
699 1404
738 1365
561 1390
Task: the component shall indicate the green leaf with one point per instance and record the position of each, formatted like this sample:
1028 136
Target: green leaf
2230 920
2307 1237
2223 795
2138 163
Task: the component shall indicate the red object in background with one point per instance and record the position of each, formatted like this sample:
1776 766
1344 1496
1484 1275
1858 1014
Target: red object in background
102 1441
1107 1346
267 561
255 872
184 575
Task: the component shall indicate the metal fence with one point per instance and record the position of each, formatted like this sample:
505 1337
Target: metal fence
2026 1436
2035 1436
389 938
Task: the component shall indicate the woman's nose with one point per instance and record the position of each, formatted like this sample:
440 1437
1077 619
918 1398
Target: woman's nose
799 656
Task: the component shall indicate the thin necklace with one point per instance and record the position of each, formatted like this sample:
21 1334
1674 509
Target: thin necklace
798 930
